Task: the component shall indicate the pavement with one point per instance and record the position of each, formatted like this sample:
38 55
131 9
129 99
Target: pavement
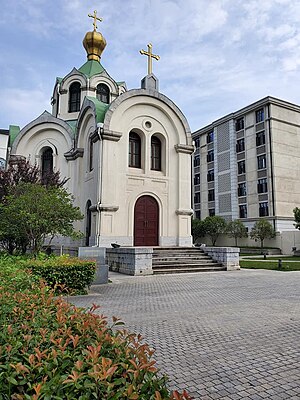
220 335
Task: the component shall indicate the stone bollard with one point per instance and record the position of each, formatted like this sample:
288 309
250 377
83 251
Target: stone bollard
97 253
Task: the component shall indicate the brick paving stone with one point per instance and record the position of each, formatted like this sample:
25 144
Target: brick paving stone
226 335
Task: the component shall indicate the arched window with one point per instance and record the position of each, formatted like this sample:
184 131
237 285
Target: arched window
102 93
47 161
88 223
91 155
74 97
134 150
155 153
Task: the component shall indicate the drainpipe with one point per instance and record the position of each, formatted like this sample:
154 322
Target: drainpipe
271 165
100 171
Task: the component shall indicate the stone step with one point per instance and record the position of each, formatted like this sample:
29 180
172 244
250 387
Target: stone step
179 259
180 270
185 265
177 254
170 260
166 261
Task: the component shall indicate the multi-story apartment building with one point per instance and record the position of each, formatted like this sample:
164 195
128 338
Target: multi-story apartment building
247 165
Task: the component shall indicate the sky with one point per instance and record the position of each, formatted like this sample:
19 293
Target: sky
216 56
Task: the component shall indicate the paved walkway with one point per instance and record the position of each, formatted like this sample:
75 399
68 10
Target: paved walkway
223 335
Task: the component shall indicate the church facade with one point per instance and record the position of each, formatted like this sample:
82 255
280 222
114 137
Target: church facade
127 154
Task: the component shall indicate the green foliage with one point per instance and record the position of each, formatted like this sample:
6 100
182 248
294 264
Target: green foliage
214 226
262 230
296 212
64 274
236 229
198 230
32 212
52 350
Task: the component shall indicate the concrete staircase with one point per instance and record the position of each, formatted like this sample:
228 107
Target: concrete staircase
171 260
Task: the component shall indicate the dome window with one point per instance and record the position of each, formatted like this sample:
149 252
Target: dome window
74 97
103 93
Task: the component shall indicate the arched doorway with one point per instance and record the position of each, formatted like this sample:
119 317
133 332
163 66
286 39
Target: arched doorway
146 217
88 226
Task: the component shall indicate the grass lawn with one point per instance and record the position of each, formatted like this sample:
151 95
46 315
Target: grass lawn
256 264
273 258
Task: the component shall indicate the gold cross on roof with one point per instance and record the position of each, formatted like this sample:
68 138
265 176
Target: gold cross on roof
95 19
150 55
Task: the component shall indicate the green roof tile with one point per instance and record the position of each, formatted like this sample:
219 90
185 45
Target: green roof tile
72 123
101 108
91 68
13 133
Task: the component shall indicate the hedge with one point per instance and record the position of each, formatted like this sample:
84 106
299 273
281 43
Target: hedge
64 273
51 350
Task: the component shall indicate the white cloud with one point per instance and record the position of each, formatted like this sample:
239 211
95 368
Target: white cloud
22 106
216 56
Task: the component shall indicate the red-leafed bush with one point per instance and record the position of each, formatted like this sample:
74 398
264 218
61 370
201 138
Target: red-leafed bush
52 350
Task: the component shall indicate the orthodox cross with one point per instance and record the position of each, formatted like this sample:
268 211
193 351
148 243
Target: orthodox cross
95 19
150 55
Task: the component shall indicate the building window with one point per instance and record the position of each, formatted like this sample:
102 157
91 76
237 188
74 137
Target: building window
260 138
134 150
47 161
197 198
197 179
241 167
211 212
263 209
259 115
211 195
198 214
261 162
239 124
197 143
243 210
74 97
102 93
196 161
240 145
210 156
210 175
91 155
210 137
262 185
242 190
155 153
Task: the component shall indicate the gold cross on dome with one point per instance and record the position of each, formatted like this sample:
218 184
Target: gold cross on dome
95 19
150 55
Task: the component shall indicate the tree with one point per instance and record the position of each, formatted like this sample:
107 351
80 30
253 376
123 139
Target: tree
214 226
198 230
262 230
32 212
23 172
236 229
296 212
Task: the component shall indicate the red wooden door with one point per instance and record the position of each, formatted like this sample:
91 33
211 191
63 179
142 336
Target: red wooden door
146 222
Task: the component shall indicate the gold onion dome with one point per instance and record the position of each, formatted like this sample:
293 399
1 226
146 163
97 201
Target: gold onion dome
93 42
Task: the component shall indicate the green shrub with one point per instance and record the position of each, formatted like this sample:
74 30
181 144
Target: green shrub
71 275
52 350
13 275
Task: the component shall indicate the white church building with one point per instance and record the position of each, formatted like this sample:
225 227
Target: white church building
127 154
